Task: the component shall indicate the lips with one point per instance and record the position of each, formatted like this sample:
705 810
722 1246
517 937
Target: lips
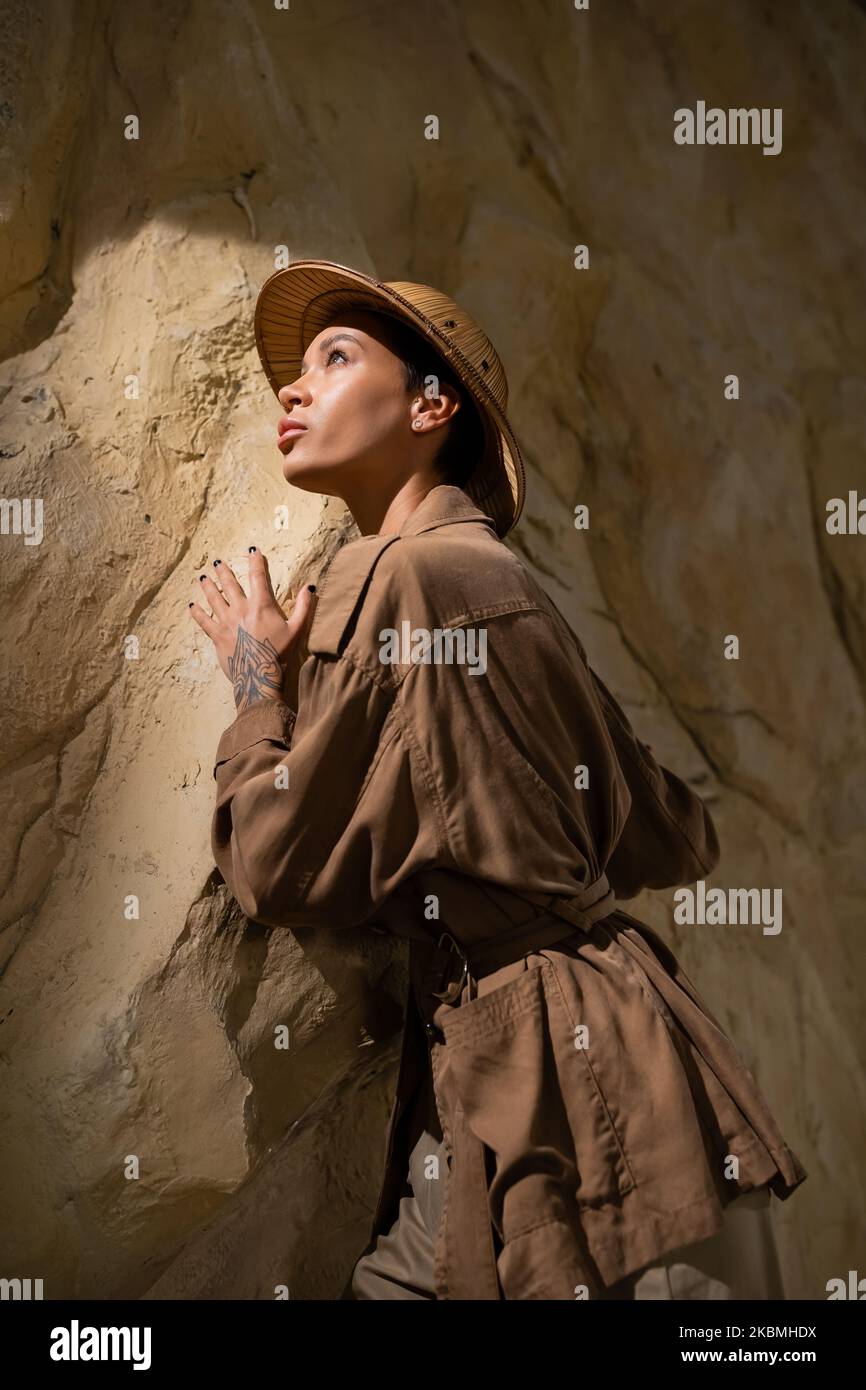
288 428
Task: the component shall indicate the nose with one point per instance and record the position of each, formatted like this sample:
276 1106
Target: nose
290 395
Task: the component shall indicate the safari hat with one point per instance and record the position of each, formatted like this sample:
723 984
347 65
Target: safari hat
296 303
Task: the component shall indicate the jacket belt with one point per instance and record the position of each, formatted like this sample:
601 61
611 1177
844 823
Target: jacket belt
558 918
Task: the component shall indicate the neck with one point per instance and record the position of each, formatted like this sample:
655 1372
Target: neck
384 515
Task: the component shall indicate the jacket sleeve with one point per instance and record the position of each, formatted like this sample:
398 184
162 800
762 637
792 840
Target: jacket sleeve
320 815
669 839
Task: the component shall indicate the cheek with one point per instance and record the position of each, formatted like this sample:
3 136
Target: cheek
358 412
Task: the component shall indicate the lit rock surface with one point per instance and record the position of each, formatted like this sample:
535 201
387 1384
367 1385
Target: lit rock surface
154 1036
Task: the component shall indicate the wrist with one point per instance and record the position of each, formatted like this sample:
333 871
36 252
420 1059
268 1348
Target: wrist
261 697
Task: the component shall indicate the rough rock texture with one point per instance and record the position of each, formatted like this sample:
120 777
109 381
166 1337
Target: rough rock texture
154 1036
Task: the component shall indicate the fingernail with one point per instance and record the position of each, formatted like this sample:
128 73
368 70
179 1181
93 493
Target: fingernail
217 562
312 588
189 605
252 547
202 576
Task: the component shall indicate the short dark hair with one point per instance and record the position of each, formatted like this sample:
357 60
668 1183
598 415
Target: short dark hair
464 440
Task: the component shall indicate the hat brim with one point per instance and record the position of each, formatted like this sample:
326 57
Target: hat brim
296 303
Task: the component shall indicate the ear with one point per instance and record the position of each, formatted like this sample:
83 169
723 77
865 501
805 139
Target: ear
453 395
444 407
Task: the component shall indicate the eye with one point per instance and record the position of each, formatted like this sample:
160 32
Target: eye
331 354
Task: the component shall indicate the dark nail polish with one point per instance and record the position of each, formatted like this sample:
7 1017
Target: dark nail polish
312 588
202 576
189 605
217 562
252 548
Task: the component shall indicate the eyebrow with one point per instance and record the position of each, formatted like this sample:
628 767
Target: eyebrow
329 342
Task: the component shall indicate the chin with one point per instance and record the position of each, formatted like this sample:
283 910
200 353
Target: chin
296 470
309 477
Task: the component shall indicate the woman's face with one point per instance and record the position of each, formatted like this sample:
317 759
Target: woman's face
357 414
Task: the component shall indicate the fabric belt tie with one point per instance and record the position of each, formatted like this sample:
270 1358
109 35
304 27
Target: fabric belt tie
558 918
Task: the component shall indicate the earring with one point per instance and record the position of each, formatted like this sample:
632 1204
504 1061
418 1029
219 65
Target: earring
417 424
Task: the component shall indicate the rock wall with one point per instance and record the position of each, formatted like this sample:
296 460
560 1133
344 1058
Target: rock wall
133 405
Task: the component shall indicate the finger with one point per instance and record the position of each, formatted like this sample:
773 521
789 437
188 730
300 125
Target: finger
303 612
231 587
204 620
213 594
260 578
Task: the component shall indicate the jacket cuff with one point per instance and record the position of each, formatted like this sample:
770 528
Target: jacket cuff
265 719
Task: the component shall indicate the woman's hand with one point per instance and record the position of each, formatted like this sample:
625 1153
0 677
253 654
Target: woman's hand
258 648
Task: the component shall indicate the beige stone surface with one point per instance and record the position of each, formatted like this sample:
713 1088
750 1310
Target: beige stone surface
153 1036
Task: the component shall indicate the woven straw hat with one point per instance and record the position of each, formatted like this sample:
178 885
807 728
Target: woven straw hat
296 303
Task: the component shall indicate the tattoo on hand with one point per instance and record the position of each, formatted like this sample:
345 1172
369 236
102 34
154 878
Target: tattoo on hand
255 670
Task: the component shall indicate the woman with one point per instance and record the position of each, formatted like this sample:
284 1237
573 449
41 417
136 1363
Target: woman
423 748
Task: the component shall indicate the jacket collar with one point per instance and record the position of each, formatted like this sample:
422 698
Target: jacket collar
346 577
443 506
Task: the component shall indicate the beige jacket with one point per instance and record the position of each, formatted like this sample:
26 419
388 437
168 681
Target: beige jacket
456 767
